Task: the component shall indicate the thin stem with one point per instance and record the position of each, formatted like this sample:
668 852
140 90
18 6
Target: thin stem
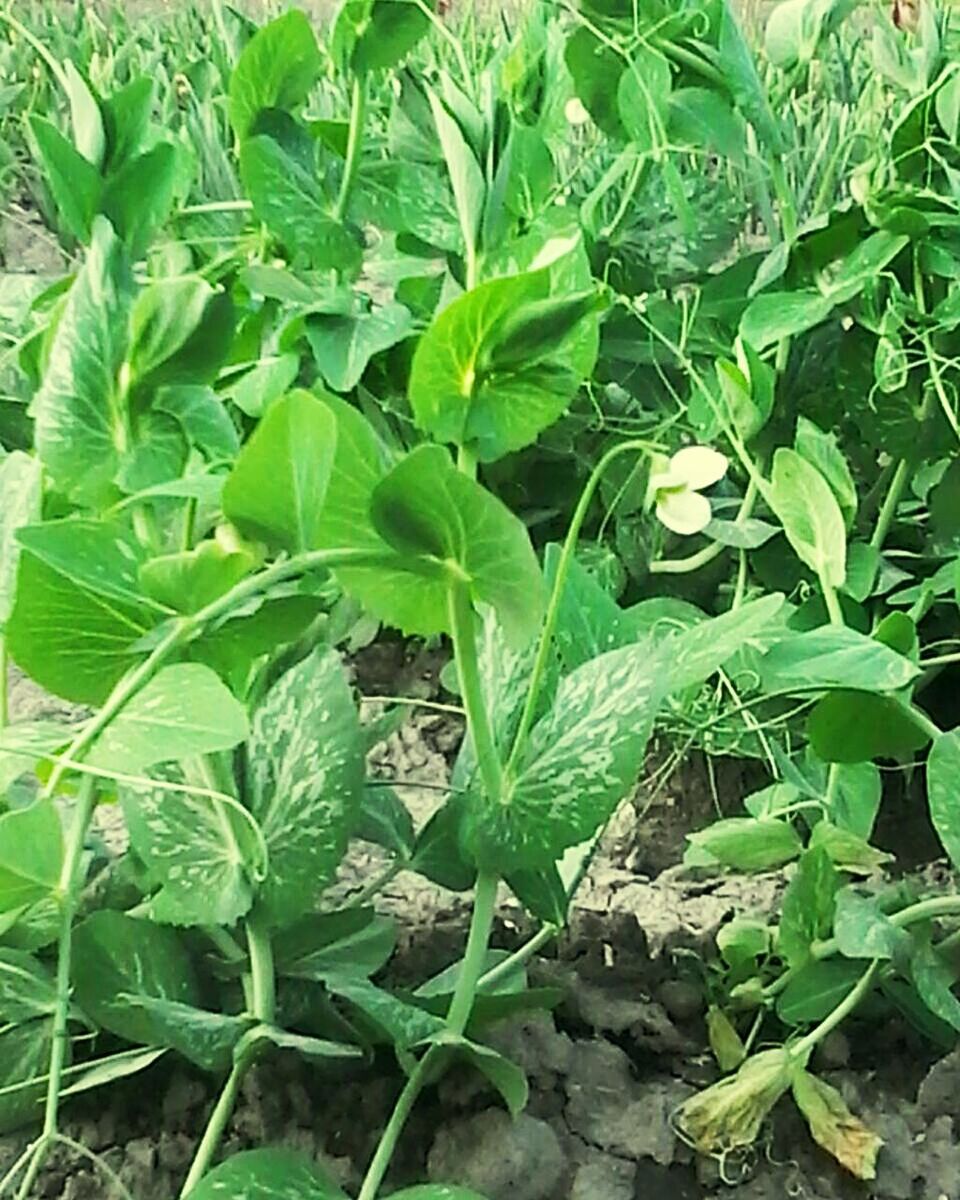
376 885
358 110
67 889
484 905
380 1162
901 477
471 689
693 562
216 1126
801 1049
262 973
504 969
834 611
553 608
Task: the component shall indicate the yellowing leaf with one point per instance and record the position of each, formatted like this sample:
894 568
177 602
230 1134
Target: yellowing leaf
834 1127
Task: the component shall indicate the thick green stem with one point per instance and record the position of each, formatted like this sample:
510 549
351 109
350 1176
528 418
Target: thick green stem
553 607
471 689
358 110
262 972
834 611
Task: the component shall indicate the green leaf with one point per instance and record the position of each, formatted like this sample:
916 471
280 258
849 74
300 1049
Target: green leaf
277 69
703 120
117 959
772 317
459 396
267 1175
854 727
863 930
31 854
749 843
505 1076
934 981
856 801
199 852
350 942
835 656
385 821
375 35
191 579
24 1056
401 1024
810 515
79 610
542 893
741 77
343 345
466 178
20 493
439 854
139 198
943 792
579 763
428 510
126 118
85 1077
849 851
278 484
596 69
742 941
817 989
864 265
27 989
822 451
182 712
643 97
288 199
207 1039
77 410
806 914
177 334
589 620
255 391
85 117
74 183
696 653
306 774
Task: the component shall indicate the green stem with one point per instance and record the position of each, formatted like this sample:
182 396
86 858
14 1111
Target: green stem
358 109
67 890
376 885
4 685
693 562
484 905
802 1049
901 477
507 966
471 690
262 972
553 607
216 1126
834 611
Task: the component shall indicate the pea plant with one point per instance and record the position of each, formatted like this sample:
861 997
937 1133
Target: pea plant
465 337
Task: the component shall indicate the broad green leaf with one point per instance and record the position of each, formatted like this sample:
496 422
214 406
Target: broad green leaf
863 265
835 656
822 451
343 345
191 579
20 491
750 534
596 69
74 183
854 727
849 851
536 330
316 1049
817 989
267 1175
703 120
696 653
748 843
306 771
31 854
401 1024
199 852
255 391
741 77
589 620
457 395
542 894
78 408
943 792
24 1056
433 515
352 941
581 760
743 940
184 711
771 317
86 1076
810 515
857 798
79 610
934 981
439 854
117 959
277 69
85 116
806 914
643 97
126 119
156 453
139 198
793 32
207 1039
863 930
505 1076
277 486
27 989
385 821
466 178
180 332
288 198
375 35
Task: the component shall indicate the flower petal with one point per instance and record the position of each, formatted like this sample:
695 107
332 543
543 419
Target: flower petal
684 512
699 466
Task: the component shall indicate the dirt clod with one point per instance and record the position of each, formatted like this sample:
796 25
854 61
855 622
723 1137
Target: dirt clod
504 1159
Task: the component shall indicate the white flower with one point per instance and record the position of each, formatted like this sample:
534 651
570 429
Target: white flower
575 113
676 489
